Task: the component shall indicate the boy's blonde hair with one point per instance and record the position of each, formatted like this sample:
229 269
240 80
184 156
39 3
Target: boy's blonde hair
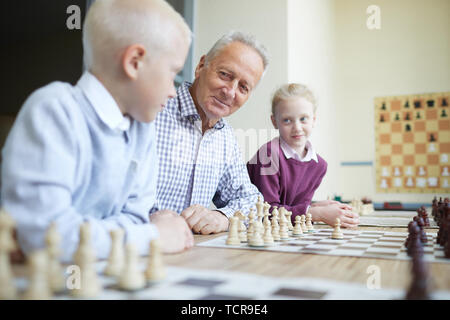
292 90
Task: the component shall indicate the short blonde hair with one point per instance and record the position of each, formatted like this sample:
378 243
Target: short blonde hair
113 25
292 90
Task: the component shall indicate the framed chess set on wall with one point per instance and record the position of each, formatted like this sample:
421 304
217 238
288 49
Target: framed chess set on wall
412 143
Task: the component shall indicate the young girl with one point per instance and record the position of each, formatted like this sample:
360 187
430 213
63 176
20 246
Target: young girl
287 170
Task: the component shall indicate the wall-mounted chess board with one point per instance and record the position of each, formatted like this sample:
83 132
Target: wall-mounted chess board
412 141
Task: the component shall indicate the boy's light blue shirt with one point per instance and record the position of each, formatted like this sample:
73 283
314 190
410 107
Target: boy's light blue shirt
72 157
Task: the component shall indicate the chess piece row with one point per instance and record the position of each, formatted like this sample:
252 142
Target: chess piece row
265 228
45 272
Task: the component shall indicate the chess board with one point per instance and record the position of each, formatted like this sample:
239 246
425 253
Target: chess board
389 218
191 284
412 143
356 243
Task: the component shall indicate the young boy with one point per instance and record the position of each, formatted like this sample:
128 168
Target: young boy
287 170
88 152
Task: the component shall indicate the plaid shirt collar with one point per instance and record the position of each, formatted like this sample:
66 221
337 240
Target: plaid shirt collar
187 106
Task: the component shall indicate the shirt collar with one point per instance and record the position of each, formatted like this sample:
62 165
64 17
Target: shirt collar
187 106
103 103
289 152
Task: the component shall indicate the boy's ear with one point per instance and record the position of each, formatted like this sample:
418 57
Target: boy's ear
200 66
133 60
274 122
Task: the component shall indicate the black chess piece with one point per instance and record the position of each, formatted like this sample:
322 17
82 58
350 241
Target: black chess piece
408 128
444 102
418 116
443 114
417 104
418 289
397 117
407 116
407 104
383 106
430 103
432 138
381 118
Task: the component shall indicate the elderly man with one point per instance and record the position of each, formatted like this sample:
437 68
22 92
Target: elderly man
199 157
87 153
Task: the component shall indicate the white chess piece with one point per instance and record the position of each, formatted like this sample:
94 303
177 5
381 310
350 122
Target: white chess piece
337 234
242 230
55 270
409 171
444 158
268 238
284 235
132 278
431 147
396 171
38 287
85 258
298 227
385 172
445 172
445 183
233 233
251 224
409 182
383 184
275 225
155 267
309 225
116 258
422 171
256 240
7 244
304 227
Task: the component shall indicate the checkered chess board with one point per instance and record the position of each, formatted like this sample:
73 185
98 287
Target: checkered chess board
412 141
367 244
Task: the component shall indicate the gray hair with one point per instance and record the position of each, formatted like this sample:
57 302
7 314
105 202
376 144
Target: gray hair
244 38
113 25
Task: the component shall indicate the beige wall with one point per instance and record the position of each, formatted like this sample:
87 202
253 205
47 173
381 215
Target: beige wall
326 45
311 61
410 54
266 20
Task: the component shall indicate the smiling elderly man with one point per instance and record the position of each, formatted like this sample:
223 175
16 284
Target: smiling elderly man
200 161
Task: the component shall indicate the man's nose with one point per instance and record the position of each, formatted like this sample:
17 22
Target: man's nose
229 90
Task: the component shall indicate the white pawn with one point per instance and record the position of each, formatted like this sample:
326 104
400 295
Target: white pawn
55 270
304 227
268 239
337 234
275 225
116 259
132 277
155 267
38 288
85 259
309 225
233 233
298 227
256 240
7 244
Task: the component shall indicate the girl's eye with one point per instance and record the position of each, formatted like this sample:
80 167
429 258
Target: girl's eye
286 121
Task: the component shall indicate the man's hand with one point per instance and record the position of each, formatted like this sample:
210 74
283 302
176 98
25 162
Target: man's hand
175 234
329 213
205 221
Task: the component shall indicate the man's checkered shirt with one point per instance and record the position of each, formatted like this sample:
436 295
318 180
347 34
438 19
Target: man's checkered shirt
196 168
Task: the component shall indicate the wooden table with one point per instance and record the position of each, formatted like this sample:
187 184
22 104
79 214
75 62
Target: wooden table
394 273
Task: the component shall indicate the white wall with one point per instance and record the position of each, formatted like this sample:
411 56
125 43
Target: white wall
266 20
410 54
311 47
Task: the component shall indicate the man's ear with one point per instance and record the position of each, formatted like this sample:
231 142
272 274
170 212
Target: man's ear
133 60
274 122
314 120
200 66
